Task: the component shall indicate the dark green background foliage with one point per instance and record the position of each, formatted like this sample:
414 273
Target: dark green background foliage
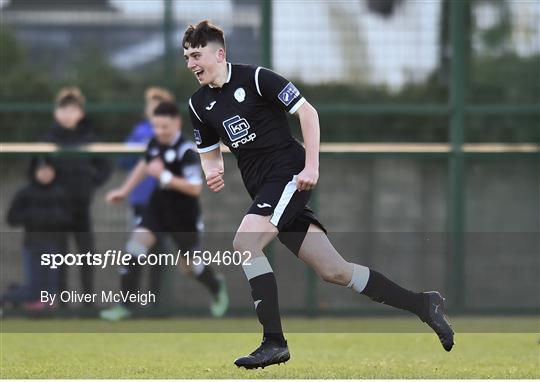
115 98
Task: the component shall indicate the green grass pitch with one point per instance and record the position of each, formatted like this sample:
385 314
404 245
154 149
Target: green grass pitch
106 353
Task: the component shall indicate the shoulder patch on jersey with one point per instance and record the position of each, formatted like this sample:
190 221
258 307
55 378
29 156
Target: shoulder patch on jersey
240 94
288 93
197 136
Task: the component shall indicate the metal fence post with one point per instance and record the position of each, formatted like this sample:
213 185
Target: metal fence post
312 290
266 33
266 61
310 298
168 29
167 276
456 202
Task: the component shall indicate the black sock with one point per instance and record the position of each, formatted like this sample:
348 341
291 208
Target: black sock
208 278
129 279
265 295
385 291
87 279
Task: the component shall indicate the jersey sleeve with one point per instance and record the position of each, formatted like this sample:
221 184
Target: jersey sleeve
192 167
278 90
205 137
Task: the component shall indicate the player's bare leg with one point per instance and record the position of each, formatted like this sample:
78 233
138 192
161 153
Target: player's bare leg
254 233
318 252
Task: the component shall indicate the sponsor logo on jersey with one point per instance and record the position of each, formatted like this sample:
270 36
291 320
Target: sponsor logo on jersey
237 129
240 94
154 151
288 94
211 106
197 136
249 138
263 205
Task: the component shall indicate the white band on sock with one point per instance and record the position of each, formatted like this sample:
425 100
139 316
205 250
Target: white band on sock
257 266
198 268
136 249
359 278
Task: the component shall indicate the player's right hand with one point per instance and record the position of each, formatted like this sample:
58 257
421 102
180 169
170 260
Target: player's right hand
115 196
215 181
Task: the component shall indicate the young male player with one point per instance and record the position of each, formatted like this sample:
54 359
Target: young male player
245 108
140 196
173 208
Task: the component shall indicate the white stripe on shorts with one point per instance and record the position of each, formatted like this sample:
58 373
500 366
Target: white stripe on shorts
286 195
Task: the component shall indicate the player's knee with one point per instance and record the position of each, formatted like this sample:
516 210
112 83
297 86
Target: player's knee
241 242
247 241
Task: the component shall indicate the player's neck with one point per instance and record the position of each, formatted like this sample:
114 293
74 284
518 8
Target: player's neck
222 77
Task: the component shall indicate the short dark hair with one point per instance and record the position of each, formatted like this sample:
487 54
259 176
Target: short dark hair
201 34
69 96
166 109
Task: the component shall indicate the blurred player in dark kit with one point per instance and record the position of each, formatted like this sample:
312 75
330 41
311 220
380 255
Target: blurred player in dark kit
174 207
139 197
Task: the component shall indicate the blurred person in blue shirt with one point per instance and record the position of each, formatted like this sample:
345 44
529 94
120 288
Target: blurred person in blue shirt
141 134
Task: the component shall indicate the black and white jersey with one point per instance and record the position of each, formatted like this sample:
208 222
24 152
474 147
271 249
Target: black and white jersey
248 114
182 160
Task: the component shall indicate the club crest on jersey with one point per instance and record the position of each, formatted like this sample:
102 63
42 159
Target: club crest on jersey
237 129
170 155
288 93
240 94
197 136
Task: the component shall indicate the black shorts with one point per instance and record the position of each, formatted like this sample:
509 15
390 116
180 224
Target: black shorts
185 233
288 207
138 212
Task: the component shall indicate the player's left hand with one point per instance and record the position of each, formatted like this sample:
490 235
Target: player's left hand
307 179
155 168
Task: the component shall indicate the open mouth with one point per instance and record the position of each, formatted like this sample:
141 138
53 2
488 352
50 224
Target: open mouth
199 74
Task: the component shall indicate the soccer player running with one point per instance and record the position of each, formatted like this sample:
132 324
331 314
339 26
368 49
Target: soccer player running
173 208
245 108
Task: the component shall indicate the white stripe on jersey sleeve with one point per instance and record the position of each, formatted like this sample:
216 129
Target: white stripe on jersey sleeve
297 105
257 80
207 149
194 112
